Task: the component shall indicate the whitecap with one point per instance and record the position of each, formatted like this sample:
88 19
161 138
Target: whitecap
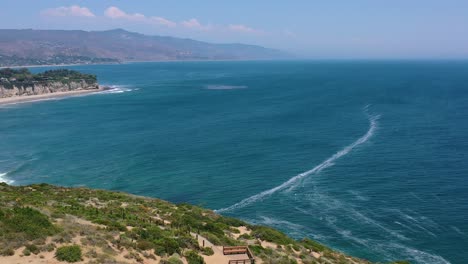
116 89
4 179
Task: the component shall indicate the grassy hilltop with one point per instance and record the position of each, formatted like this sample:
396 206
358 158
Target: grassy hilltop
47 224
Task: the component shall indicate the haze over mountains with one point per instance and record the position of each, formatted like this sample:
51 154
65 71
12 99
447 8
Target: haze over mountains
35 47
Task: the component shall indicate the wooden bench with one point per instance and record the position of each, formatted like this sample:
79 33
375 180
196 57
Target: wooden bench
235 250
240 261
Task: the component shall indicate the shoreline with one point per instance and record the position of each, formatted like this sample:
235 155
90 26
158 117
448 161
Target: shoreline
48 96
133 61
55 65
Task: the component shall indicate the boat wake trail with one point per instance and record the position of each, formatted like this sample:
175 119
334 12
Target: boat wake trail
327 163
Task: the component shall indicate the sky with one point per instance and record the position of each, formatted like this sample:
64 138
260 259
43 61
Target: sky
323 29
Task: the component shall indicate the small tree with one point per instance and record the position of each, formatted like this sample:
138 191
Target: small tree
68 253
208 251
193 258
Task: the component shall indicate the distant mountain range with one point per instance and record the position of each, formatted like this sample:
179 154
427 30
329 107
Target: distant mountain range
36 47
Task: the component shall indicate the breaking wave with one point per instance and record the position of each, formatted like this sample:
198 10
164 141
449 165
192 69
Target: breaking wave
4 179
116 89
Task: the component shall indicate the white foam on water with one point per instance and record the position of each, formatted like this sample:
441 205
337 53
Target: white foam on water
363 218
358 196
457 230
393 245
273 221
116 89
225 87
330 207
4 179
390 250
327 163
405 226
293 229
13 104
417 224
416 196
424 257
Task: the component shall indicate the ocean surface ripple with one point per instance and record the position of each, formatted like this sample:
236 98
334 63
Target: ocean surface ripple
284 144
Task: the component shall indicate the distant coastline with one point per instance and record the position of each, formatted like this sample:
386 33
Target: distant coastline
48 96
130 62
56 65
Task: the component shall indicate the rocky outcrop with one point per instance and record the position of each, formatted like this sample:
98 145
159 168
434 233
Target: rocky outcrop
18 89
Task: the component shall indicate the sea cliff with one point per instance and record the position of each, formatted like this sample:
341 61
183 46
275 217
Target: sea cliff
20 85
28 89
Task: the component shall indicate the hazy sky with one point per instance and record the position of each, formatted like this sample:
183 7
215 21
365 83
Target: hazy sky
311 28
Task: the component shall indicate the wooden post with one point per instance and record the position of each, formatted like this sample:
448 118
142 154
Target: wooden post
203 242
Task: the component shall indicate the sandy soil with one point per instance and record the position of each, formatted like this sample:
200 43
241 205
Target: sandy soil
242 230
48 257
218 257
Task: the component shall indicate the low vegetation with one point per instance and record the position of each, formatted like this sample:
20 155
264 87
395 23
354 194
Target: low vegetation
68 253
25 223
23 77
14 60
99 226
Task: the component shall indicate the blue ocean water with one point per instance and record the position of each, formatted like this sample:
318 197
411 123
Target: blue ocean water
369 158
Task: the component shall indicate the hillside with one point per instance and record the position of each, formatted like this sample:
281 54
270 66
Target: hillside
34 47
43 223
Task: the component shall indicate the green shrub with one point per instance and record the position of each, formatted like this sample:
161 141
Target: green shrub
245 236
315 246
188 242
174 259
193 258
68 253
145 245
271 235
208 251
234 230
7 252
159 250
33 249
169 245
28 222
231 221
256 249
286 260
296 247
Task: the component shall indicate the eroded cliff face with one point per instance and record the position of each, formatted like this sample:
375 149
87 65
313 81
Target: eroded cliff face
44 88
